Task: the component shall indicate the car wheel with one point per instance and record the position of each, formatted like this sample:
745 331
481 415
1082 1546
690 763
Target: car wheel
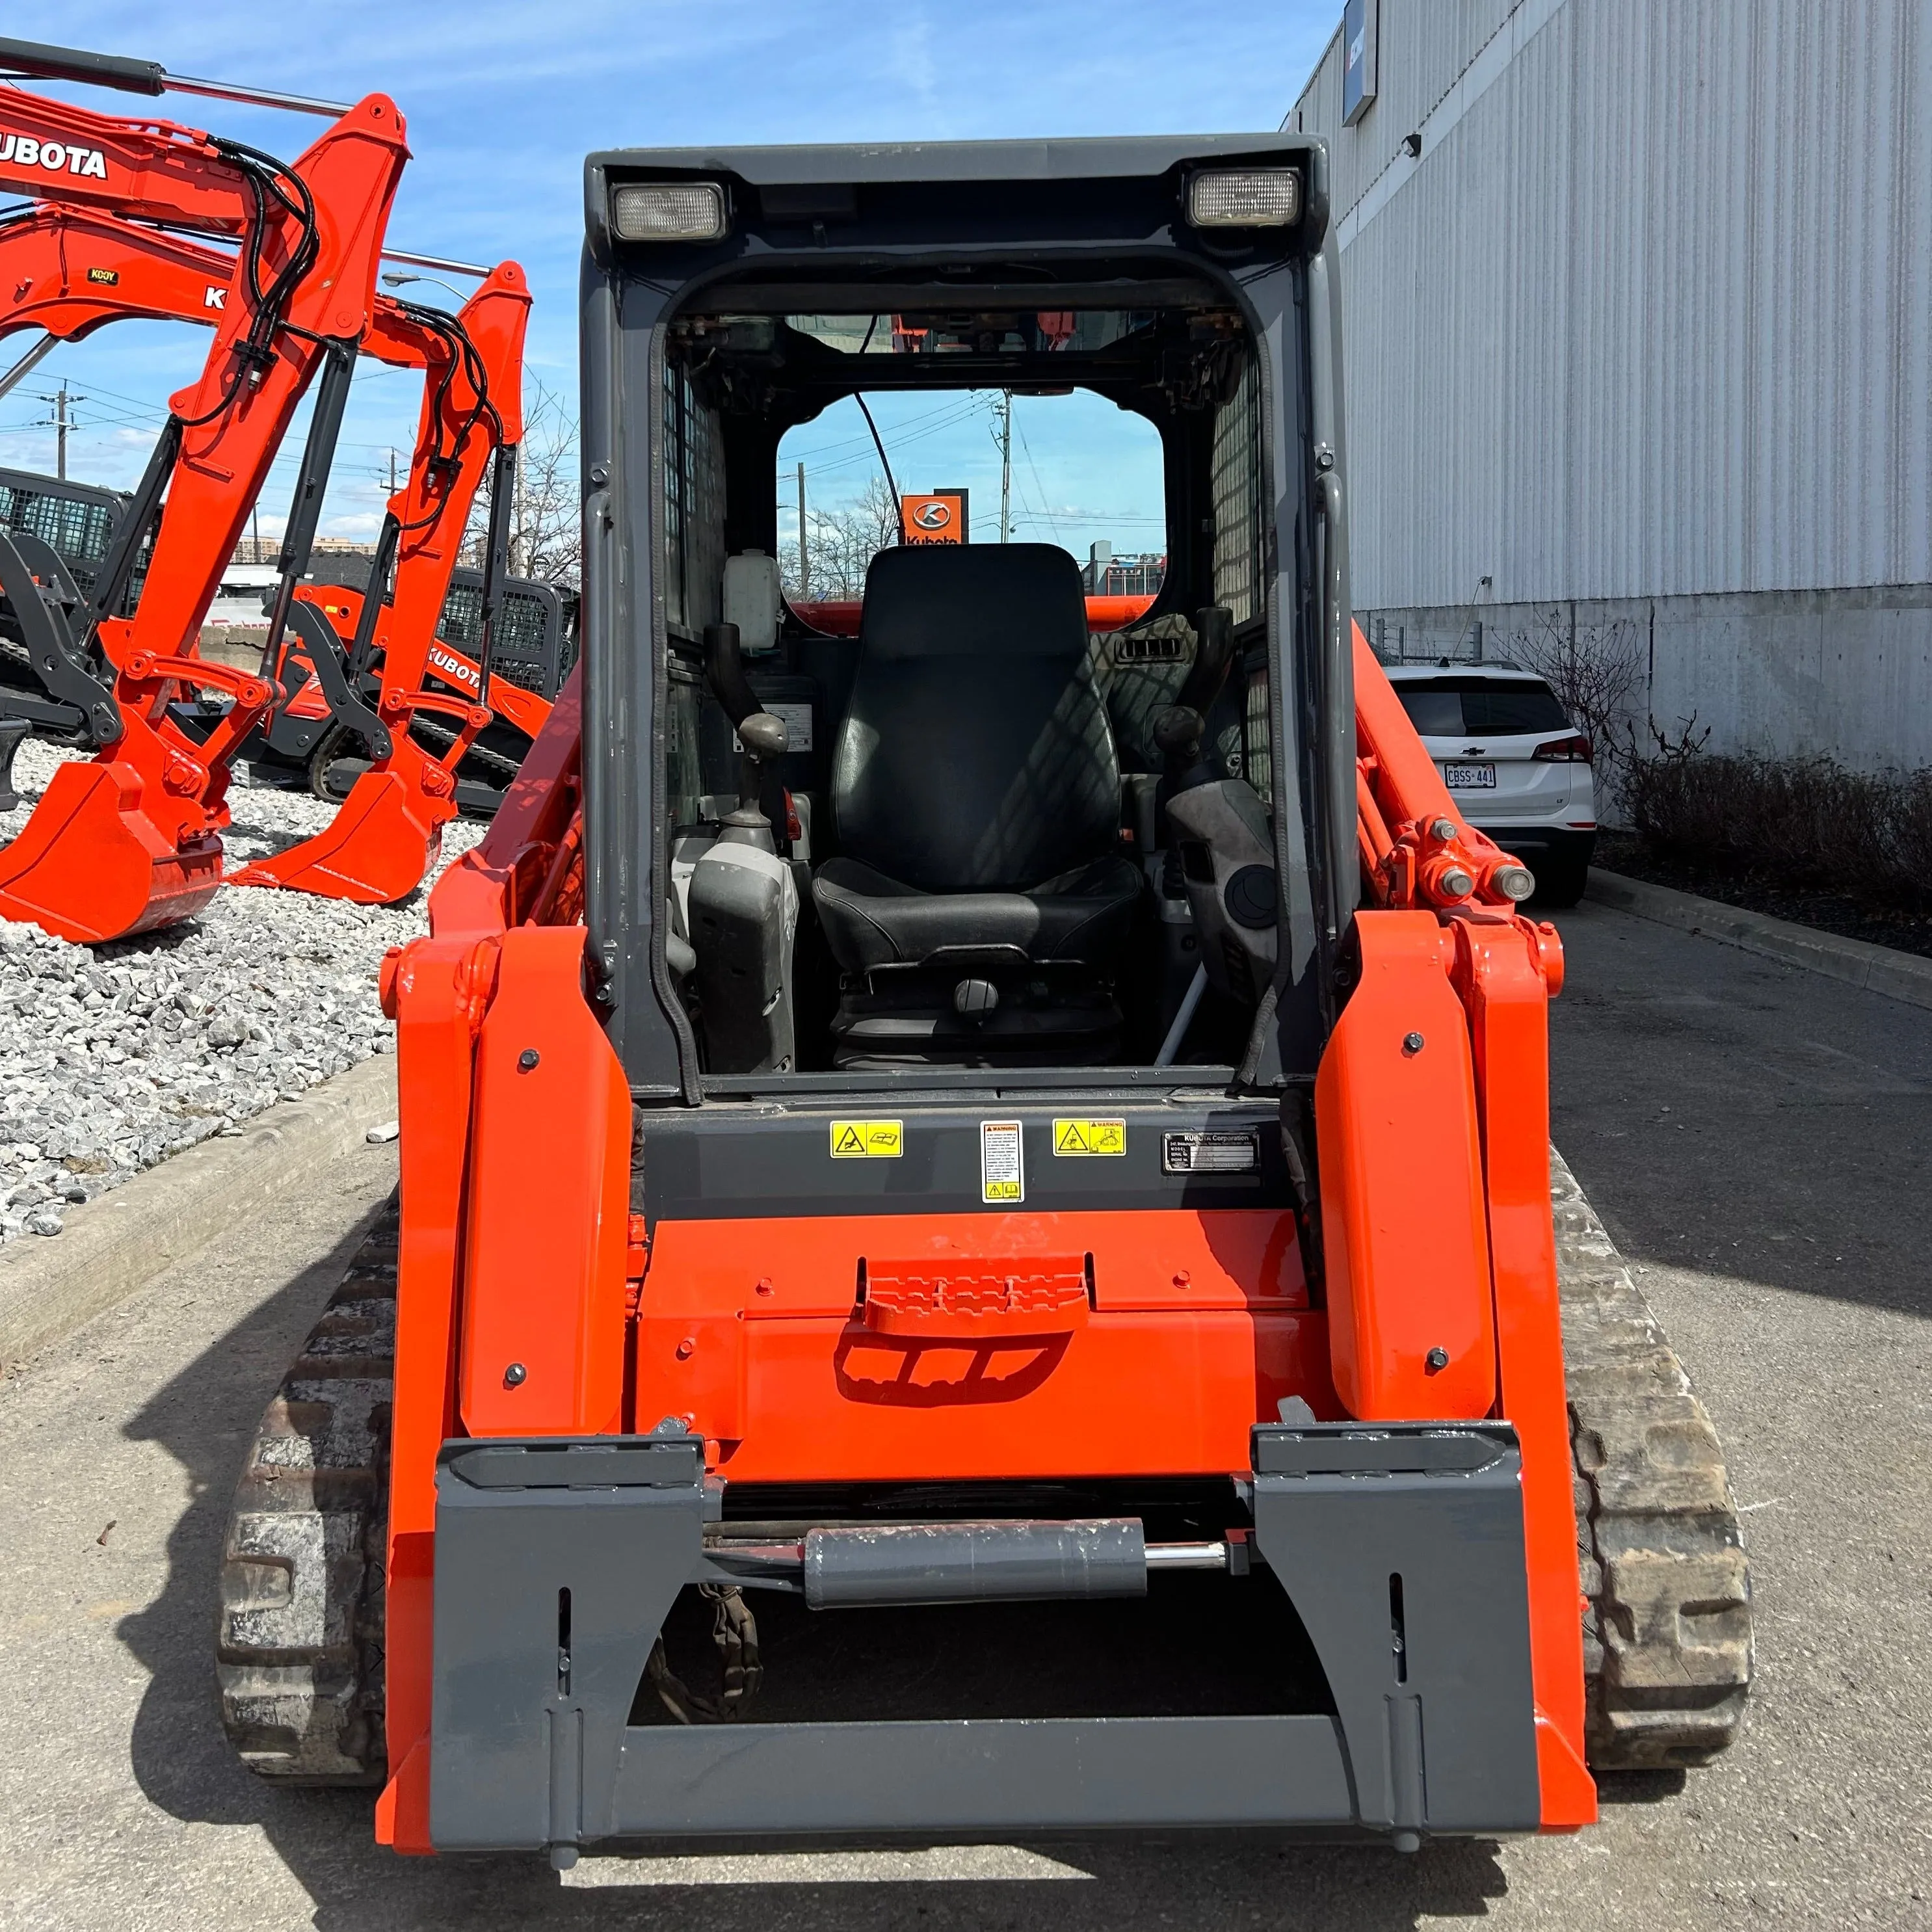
1560 880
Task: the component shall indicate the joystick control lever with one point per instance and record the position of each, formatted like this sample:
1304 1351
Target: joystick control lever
762 739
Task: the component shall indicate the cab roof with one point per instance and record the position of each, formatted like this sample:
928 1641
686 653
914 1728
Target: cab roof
1076 158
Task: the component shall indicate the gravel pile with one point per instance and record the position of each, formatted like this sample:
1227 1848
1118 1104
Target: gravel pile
112 1058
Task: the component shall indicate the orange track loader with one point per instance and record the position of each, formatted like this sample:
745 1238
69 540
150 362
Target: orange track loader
981 1262
131 840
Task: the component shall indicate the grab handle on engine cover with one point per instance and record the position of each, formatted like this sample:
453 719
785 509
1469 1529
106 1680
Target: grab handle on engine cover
1047 1299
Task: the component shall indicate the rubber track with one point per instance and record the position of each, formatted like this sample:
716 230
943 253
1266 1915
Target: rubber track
1667 1624
435 740
1666 1628
299 1656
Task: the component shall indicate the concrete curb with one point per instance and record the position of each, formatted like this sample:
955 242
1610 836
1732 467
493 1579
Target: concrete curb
1878 969
112 1247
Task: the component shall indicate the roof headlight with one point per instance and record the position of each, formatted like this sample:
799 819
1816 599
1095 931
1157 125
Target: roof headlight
1245 198
668 211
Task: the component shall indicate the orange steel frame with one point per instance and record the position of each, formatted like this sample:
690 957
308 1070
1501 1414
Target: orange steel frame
131 840
74 271
1436 1225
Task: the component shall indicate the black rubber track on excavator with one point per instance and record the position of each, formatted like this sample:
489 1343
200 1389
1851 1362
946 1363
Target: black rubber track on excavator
1666 1636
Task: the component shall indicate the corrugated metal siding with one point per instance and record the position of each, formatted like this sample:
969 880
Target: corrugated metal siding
1654 316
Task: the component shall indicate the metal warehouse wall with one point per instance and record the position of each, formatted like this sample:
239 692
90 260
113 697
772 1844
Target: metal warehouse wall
1651 316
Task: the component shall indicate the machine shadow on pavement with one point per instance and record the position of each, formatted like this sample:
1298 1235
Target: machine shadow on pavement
206 1418
1748 1119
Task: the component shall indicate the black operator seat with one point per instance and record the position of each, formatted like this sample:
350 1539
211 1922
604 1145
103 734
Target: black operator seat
975 787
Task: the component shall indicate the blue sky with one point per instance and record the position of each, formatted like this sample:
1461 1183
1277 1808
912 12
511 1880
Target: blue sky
503 98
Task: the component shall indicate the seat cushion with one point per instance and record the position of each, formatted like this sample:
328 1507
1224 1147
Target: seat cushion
871 920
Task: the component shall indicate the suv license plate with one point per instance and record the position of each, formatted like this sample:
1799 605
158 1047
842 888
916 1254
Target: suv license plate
1471 778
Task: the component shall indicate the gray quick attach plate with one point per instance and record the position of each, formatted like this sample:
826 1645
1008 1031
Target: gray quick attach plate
1400 1546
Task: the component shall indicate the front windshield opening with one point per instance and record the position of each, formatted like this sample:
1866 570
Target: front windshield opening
966 752
970 466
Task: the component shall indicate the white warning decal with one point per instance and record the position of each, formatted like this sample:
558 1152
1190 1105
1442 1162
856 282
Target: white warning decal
1002 1164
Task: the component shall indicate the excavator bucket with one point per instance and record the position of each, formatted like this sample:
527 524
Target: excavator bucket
90 864
374 851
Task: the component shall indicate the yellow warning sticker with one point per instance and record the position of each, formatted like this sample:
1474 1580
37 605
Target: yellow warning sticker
1090 1137
867 1140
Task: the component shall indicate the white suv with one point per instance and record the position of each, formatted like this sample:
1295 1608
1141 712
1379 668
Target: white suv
1519 769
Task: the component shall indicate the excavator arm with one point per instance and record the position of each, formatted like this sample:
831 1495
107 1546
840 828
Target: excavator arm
389 829
132 841
69 271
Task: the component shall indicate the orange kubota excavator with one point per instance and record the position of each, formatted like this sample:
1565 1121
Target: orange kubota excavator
74 271
982 1262
131 840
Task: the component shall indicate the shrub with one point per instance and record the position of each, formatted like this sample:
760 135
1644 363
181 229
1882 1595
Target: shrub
1867 834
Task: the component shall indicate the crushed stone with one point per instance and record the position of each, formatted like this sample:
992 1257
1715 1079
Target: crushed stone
114 1057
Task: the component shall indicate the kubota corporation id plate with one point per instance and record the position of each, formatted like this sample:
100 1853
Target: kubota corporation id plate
1002 1167
867 1140
1079 1137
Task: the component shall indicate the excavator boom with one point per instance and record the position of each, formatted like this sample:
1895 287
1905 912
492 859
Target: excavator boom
78 271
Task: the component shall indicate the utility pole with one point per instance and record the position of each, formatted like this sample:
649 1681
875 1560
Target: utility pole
392 470
804 548
1006 460
61 423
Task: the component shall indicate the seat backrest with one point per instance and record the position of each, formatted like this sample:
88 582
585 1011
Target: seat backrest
976 752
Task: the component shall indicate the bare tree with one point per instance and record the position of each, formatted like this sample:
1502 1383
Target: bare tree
841 544
1596 671
546 522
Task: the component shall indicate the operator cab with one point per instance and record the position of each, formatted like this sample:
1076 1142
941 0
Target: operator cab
963 816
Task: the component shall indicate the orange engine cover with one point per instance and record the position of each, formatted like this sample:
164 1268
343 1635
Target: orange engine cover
893 1347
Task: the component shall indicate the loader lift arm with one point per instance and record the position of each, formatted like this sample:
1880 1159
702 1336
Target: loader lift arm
131 841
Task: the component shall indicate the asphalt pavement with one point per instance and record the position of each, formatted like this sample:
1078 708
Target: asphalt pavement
1755 1138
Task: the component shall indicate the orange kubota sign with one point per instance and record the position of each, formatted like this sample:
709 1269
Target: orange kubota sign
131 840
935 519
